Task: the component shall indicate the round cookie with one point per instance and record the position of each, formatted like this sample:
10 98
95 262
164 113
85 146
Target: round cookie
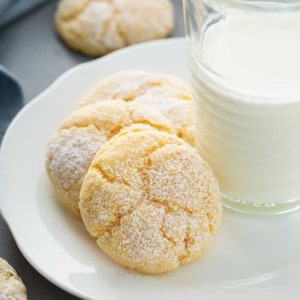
150 201
11 285
97 27
169 95
81 135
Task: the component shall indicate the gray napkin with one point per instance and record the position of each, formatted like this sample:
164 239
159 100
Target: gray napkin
12 9
11 97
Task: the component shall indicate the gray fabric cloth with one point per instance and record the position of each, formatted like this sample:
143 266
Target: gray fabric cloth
12 9
11 97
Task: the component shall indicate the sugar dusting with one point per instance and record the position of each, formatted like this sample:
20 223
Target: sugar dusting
69 156
169 222
96 27
168 95
11 286
81 136
128 85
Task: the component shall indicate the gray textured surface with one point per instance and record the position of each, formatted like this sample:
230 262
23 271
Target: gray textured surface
31 50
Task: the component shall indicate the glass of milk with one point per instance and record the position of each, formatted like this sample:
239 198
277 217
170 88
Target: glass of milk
245 73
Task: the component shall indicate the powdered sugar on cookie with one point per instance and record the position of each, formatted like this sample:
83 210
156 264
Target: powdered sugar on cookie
166 94
81 136
150 200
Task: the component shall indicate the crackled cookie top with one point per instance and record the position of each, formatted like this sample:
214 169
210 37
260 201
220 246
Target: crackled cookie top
81 135
150 200
11 285
96 27
169 95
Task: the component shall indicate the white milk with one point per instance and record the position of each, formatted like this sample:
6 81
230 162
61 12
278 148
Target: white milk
248 115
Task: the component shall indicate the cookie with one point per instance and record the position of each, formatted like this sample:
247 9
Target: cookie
82 134
169 95
150 201
98 27
11 285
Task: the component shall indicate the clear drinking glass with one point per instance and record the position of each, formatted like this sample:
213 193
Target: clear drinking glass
244 60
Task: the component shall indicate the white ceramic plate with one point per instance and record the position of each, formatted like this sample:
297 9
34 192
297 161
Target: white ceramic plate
251 257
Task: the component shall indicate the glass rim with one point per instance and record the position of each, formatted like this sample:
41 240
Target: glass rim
288 6
261 5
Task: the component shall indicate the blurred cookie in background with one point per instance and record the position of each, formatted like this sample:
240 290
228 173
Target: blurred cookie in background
99 27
